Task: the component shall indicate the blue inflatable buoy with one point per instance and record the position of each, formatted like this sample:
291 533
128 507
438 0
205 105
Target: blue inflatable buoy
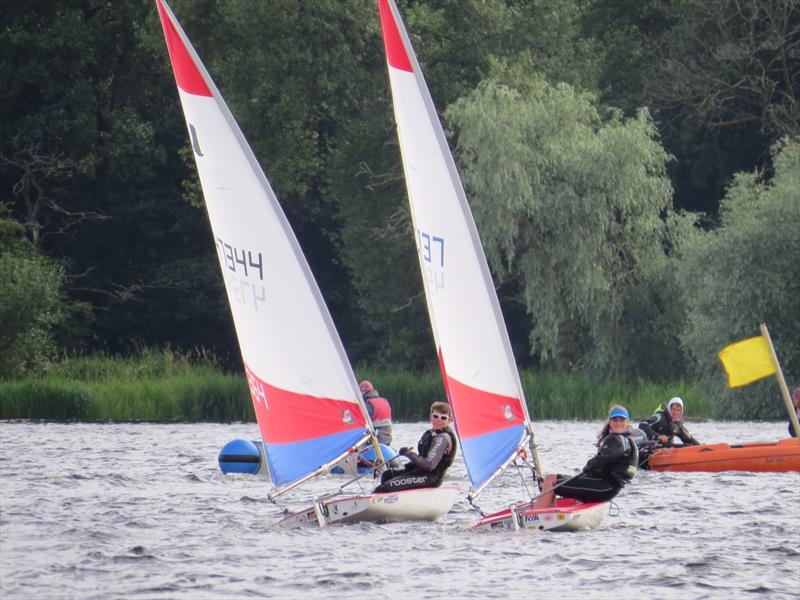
388 454
369 453
240 456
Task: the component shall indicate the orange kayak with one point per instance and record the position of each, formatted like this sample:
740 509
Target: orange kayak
761 457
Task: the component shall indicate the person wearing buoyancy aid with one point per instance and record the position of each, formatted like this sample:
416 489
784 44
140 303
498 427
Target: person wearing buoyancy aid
667 423
436 451
606 473
379 410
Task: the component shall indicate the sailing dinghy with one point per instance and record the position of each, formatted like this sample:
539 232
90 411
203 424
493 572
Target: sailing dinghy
309 410
475 356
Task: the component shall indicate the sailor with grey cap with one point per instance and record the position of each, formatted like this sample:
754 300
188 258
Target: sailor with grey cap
667 423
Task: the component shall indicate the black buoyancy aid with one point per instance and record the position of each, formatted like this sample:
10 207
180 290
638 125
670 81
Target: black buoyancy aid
425 444
624 470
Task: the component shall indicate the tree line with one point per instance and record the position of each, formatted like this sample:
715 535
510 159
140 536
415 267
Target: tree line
633 168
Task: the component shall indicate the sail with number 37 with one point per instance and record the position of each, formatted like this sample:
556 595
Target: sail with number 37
475 356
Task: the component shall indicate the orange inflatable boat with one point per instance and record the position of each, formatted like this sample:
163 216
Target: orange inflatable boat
762 457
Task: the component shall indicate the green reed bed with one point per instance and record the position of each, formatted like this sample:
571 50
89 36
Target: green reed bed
549 395
164 385
152 386
553 396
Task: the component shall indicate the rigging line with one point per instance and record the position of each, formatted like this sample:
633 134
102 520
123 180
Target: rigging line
284 510
475 506
519 468
372 471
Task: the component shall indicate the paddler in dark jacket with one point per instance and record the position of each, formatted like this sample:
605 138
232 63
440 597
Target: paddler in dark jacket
435 453
667 424
610 469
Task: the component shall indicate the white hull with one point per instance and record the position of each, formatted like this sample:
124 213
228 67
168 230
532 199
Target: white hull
427 504
567 515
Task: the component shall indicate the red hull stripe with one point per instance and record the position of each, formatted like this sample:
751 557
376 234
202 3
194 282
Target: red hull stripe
187 76
285 417
395 52
478 412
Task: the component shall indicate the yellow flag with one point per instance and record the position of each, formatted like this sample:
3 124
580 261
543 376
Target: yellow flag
747 361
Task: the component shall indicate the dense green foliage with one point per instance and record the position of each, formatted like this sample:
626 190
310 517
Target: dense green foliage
574 206
617 154
30 303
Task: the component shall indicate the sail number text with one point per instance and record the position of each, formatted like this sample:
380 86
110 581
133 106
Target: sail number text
244 274
431 248
236 261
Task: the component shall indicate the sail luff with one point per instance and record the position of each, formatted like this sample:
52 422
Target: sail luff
402 62
330 385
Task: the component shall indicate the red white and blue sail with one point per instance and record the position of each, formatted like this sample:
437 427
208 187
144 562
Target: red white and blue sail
304 392
477 363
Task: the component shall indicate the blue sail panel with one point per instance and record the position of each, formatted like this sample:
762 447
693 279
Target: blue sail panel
484 454
289 462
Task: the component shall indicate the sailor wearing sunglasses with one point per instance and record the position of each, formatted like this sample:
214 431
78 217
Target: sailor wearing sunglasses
435 453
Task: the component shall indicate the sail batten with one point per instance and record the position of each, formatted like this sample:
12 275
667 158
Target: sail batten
476 359
304 392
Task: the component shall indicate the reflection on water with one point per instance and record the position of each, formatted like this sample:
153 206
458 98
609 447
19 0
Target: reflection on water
130 510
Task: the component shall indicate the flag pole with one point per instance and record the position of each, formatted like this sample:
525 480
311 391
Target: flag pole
781 381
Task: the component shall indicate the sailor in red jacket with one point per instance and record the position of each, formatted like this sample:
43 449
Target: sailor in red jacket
379 410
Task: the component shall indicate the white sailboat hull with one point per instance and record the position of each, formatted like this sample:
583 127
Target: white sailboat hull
567 515
427 504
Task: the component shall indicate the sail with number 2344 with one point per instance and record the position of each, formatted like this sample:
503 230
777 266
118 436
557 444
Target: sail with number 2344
309 410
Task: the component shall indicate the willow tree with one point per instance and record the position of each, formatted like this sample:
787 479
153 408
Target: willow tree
575 204
747 271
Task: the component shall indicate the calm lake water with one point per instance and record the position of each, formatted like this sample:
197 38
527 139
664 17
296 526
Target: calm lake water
142 511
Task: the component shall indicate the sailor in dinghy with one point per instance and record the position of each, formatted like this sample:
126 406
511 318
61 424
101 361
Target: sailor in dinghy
611 469
436 452
478 368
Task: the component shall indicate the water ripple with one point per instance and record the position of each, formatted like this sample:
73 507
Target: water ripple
142 511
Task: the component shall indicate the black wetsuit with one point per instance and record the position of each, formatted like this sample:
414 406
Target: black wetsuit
661 423
435 453
605 474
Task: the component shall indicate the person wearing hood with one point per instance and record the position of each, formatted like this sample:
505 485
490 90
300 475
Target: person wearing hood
667 424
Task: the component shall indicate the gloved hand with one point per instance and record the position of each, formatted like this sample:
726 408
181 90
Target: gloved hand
403 451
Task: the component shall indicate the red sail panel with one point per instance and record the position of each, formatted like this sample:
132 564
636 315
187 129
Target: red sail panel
285 417
187 76
395 51
478 412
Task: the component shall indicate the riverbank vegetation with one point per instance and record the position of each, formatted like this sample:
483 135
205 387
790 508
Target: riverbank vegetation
168 386
633 169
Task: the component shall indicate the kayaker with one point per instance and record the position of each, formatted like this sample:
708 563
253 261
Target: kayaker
435 453
796 402
667 423
379 410
608 471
